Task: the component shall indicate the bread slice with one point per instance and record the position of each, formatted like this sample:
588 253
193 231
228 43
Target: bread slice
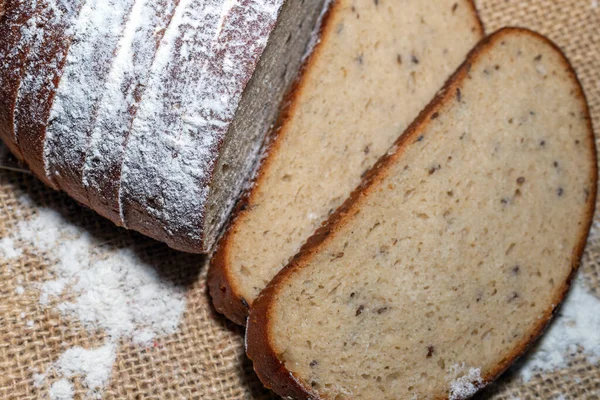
377 65
456 250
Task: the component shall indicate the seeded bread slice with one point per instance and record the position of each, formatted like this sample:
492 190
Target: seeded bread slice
456 250
377 66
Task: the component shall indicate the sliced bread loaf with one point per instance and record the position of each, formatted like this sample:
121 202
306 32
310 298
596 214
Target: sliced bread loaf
196 135
377 66
456 250
152 112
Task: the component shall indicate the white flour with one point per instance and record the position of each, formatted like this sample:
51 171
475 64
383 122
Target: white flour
8 249
95 365
107 289
465 386
61 390
577 325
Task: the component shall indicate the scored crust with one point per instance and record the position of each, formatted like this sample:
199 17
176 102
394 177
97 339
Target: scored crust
12 16
185 199
40 82
226 296
268 364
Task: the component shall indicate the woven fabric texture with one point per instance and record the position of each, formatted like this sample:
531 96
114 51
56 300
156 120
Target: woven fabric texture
204 359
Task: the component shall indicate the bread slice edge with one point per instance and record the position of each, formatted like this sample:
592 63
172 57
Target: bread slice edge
226 296
270 368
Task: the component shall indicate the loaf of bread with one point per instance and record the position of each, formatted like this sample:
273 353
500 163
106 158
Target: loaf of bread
376 66
152 112
453 254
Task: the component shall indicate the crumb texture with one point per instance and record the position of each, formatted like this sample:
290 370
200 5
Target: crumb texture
377 65
452 259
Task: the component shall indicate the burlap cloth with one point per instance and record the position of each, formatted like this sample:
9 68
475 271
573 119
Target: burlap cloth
205 359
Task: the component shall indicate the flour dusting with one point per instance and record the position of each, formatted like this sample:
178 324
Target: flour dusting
466 385
103 288
8 250
93 365
61 390
576 326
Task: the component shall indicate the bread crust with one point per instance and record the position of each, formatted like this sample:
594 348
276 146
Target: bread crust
35 106
268 366
139 212
226 296
12 17
103 195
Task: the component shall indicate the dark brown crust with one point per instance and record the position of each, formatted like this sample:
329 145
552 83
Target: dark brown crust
69 176
270 369
105 199
12 18
225 294
34 109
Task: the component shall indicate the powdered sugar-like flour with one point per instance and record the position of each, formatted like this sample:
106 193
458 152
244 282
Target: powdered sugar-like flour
577 326
465 386
111 290
61 390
